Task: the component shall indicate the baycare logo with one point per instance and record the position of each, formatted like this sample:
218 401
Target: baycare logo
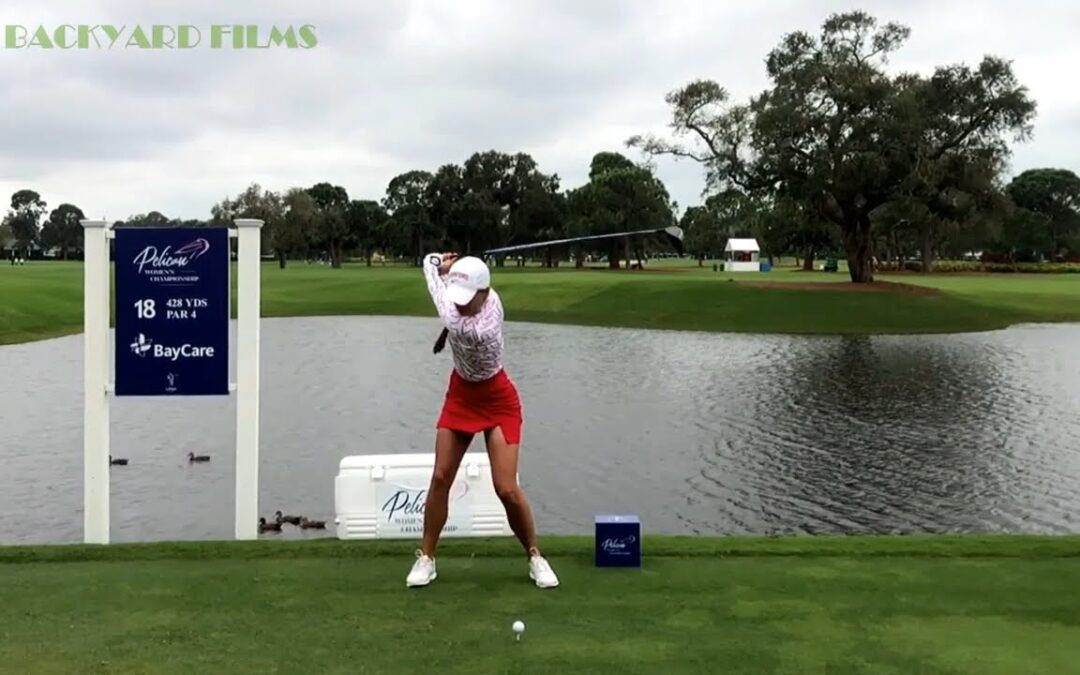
144 347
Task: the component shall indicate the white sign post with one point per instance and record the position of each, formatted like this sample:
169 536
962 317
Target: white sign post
248 299
97 359
98 370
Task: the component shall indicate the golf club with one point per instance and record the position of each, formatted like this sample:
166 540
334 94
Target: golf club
673 234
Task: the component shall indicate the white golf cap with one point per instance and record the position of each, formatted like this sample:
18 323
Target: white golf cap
466 276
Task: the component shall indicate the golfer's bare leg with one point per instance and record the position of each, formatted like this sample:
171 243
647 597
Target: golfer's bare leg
504 464
450 448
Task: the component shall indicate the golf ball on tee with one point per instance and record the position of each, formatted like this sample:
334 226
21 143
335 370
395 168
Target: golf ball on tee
519 627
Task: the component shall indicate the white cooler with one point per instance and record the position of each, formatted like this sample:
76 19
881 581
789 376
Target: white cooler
382 497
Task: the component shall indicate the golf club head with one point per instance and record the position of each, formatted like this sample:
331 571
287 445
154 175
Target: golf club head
674 235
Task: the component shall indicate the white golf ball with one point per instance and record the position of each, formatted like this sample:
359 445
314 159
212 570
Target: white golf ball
519 627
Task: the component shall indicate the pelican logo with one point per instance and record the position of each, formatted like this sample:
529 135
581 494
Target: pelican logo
168 259
618 545
141 345
171 377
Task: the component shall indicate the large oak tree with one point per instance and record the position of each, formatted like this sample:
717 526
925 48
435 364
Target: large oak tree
837 132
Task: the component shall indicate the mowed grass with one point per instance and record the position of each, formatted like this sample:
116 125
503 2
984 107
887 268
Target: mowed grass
43 300
980 605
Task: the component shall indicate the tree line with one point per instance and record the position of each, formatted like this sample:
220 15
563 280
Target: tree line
838 153
835 156
490 200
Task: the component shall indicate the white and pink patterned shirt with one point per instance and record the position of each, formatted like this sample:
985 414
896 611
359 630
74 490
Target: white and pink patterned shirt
476 341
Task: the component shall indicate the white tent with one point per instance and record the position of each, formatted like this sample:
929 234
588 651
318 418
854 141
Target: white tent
741 255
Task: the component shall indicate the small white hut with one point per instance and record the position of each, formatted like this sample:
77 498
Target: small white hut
741 255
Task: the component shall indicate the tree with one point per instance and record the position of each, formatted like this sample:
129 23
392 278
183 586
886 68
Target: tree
602 162
836 132
540 215
703 234
789 226
296 229
728 213
446 198
331 227
152 219
492 189
619 197
23 218
365 221
7 239
487 200
1052 197
410 226
64 229
254 202
943 193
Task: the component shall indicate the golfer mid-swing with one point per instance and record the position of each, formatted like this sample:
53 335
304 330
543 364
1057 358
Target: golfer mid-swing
480 397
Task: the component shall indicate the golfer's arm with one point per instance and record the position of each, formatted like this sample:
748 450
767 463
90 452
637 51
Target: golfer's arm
491 316
435 285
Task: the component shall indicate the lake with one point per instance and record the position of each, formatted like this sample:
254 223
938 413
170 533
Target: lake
695 432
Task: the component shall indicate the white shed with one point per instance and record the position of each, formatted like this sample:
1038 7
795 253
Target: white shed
741 255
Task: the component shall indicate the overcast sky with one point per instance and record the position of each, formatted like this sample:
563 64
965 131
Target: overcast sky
398 85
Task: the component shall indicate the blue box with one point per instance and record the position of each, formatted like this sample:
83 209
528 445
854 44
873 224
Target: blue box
618 541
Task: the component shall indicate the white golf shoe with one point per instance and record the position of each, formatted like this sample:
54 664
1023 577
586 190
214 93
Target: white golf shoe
540 571
423 571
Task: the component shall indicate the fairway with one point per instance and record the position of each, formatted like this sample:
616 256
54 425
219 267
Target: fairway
844 605
44 300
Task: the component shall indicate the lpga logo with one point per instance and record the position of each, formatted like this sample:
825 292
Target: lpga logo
167 259
618 545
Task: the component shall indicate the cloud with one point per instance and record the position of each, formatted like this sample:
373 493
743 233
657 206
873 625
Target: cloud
394 86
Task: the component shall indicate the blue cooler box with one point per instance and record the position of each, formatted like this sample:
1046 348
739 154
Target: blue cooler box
618 541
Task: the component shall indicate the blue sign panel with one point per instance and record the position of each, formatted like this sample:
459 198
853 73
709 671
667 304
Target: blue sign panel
172 311
618 541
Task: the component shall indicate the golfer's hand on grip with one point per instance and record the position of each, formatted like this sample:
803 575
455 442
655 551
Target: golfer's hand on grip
447 260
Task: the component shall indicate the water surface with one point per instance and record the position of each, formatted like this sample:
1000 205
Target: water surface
695 432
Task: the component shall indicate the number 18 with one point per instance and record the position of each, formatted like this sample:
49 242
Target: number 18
145 308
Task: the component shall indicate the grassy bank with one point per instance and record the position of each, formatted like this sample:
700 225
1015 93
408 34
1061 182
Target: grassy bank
45 299
804 605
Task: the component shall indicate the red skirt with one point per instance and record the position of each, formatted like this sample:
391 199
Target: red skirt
472 407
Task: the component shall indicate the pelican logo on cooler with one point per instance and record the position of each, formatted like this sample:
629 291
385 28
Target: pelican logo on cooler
411 502
400 509
618 545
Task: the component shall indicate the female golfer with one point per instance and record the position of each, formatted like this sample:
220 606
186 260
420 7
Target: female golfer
480 397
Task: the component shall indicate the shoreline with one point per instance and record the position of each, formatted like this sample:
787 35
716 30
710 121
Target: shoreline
45 302
868 546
